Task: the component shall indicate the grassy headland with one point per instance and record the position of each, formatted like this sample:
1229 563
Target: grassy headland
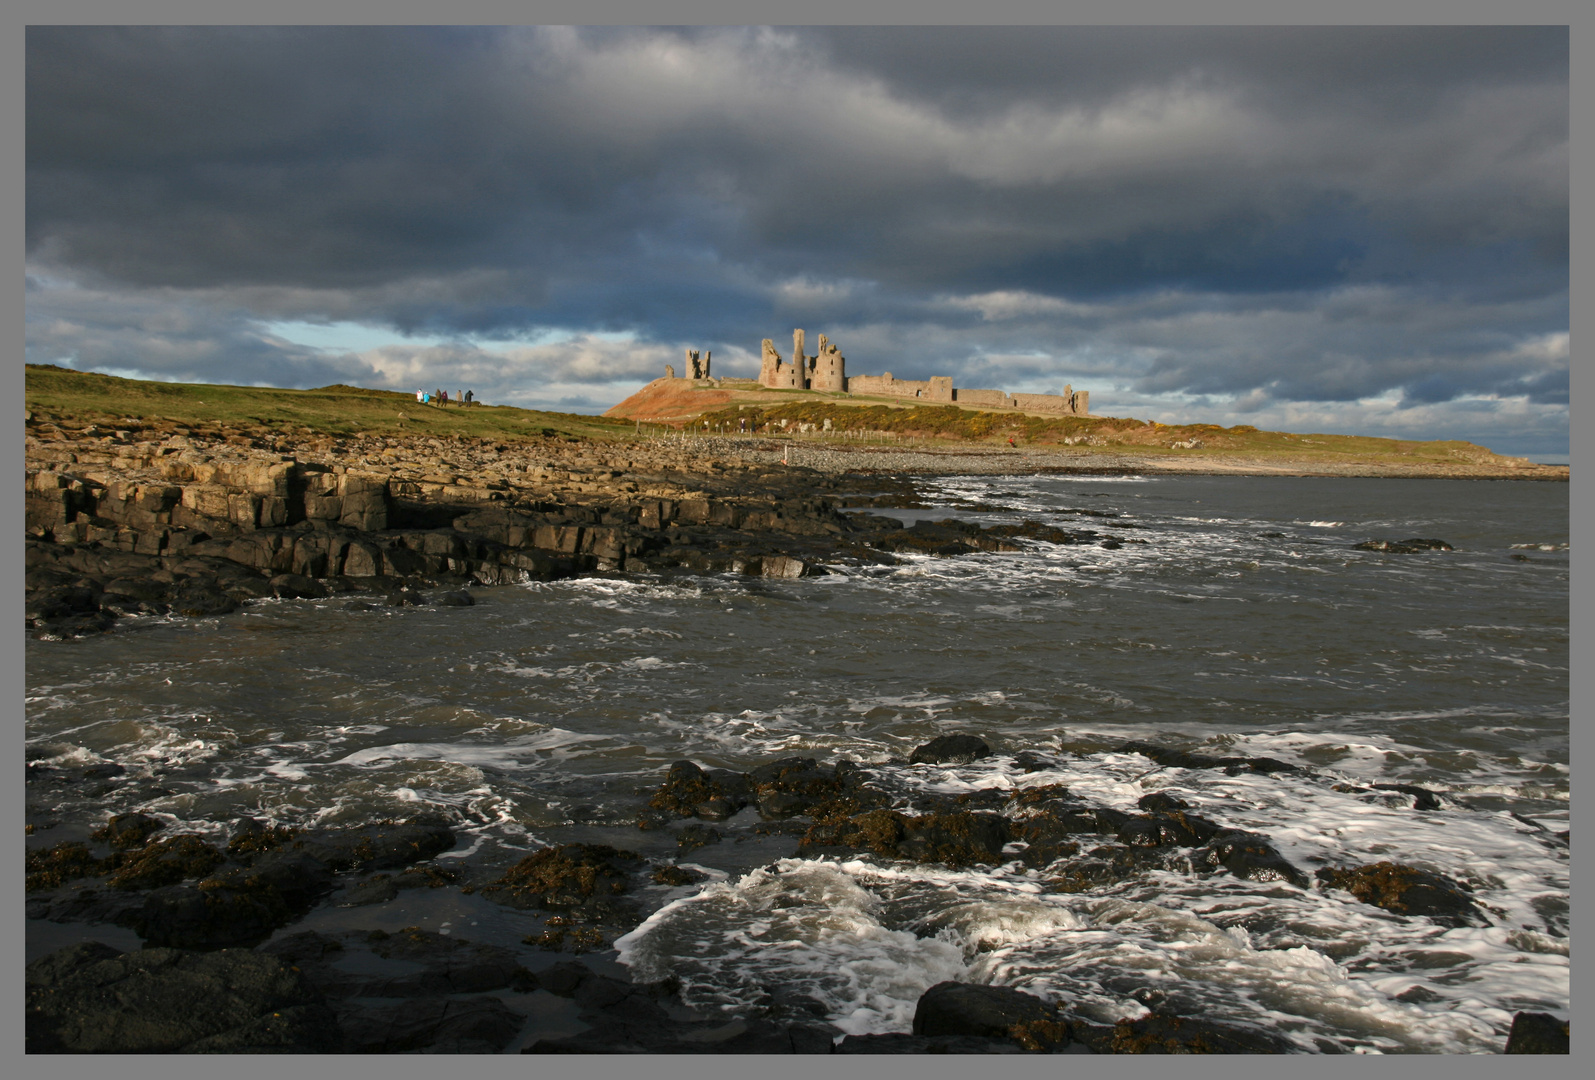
329 410
285 416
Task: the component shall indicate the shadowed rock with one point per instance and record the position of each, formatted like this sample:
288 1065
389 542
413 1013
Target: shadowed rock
992 1012
1538 1033
90 998
1161 1034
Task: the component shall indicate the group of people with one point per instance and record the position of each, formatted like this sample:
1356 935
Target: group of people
441 397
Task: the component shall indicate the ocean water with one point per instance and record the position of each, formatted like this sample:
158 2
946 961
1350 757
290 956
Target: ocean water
1236 617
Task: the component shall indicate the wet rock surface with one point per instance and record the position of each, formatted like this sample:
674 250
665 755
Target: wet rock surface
991 1012
1168 1034
1538 1033
187 892
587 878
1404 547
1406 890
950 748
414 991
91 998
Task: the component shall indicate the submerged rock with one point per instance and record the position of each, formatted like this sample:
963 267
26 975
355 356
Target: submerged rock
1170 758
1173 827
1403 547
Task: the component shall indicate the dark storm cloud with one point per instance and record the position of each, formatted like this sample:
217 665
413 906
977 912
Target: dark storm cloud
1305 214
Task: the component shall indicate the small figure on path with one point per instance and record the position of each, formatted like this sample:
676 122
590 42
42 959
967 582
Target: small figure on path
468 397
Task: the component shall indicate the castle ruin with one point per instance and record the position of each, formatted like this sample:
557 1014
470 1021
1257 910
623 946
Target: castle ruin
827 371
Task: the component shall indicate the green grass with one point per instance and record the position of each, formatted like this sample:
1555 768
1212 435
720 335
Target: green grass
329 410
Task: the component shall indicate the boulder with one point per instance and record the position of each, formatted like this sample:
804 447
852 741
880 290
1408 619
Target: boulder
957 749
1249 855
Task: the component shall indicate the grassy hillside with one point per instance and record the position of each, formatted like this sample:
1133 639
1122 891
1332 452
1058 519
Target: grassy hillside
676 401
333 410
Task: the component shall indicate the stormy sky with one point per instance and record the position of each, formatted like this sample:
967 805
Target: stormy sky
1343 229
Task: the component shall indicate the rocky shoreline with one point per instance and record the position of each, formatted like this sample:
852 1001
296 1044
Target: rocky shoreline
166 519
216 975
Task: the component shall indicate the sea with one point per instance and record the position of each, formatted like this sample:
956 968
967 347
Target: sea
1236 616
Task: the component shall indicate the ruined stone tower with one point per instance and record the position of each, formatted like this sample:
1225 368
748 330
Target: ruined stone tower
829 371
769 363
800 362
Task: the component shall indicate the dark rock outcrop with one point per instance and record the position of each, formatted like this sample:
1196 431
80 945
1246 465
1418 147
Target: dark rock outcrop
956 839
991 1012
1538 1033
1157 1033
1251 856
1407 890
90 998
586 878
690 791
